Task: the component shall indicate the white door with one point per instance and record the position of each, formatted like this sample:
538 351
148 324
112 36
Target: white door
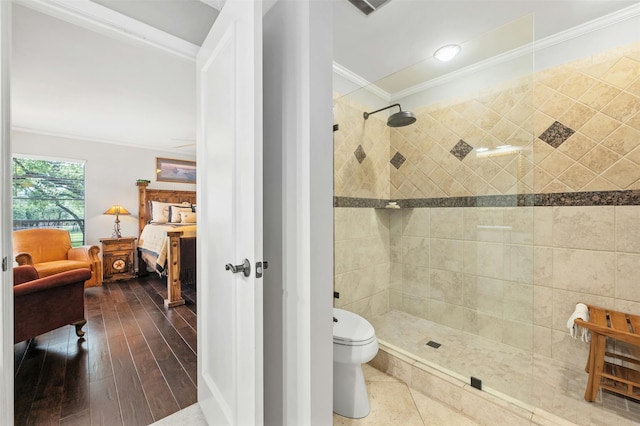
229 206
6 287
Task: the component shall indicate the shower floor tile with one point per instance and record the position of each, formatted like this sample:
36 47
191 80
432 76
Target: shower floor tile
536 380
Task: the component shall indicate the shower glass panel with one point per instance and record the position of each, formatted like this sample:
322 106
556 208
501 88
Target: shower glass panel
446 274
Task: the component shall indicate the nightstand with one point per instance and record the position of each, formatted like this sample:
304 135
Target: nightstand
118 258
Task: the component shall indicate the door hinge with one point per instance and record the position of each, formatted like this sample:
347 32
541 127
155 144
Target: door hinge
5 264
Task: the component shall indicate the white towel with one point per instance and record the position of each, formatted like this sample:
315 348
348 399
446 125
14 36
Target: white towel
581 312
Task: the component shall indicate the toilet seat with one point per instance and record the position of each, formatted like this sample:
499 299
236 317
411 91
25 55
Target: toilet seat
351 329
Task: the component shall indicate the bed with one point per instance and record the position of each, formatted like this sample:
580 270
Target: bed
168 249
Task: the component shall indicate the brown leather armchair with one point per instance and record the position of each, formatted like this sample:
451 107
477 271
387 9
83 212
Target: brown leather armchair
44 304
49 251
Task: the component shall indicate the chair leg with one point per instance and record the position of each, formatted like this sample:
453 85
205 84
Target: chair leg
79 325
596 361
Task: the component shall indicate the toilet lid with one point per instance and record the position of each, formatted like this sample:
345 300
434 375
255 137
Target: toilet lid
351 328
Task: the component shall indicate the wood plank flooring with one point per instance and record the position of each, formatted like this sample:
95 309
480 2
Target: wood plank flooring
136 364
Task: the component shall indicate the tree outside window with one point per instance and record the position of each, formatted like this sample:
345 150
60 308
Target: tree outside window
49 194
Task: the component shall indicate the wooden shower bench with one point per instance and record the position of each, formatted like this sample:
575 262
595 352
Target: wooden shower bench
609 370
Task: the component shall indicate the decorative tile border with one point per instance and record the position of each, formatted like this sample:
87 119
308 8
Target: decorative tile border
563 199
359 202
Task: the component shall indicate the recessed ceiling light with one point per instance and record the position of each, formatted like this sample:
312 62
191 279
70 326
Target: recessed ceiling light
447 53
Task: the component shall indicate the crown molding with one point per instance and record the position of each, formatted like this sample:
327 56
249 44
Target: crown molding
95 17
359 81
129 144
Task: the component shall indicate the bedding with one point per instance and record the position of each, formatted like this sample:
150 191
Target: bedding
165 206
154 242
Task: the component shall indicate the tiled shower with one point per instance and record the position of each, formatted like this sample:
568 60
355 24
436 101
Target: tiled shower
518 201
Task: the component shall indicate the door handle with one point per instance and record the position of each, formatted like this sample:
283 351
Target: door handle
245 268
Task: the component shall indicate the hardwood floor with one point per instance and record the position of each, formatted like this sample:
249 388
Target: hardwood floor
136 363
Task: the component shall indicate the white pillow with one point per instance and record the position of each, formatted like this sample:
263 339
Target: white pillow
174 213
188 217
160 212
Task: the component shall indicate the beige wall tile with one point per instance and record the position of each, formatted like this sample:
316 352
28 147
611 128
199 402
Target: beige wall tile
584 271
542 341
415 222
577 146
446 223
599 95
569 254
518 334
416 281
486 295
518 263
490 260
627 273
623 140
543 266
483 224
518 302
395 276
599 159
362 283
415 251
446 314
446 286
577 177
600 126
395 300
446 254
567 350
543 306
627 230
623 73
623 173
586 227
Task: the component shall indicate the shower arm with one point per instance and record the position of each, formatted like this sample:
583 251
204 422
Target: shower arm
367 114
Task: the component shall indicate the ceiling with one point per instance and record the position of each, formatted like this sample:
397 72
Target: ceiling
105 83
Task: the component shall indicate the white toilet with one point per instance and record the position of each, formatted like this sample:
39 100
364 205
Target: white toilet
354 343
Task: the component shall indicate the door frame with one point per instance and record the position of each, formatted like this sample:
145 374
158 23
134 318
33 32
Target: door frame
6 283
308 197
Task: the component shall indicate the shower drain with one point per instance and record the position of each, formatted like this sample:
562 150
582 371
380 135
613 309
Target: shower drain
433 344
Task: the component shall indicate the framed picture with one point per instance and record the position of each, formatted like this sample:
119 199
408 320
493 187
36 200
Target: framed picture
170 170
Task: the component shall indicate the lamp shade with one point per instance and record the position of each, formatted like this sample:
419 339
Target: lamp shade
117 209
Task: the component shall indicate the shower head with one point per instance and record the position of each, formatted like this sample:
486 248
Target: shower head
399 119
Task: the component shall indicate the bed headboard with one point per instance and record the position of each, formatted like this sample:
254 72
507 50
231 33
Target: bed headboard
146 194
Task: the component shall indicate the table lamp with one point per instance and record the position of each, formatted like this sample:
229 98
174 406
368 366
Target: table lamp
117 210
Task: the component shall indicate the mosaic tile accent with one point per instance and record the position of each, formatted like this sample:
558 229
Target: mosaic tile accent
359 202
562 199
461 150
556 134
398 160
360 154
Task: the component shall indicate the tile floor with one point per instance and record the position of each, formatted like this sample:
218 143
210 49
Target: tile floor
392 403
557 388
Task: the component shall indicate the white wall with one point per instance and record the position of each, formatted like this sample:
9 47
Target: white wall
298 211
111 172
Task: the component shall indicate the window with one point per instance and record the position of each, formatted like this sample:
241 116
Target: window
49 194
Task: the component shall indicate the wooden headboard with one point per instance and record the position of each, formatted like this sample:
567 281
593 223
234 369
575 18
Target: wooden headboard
164 195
